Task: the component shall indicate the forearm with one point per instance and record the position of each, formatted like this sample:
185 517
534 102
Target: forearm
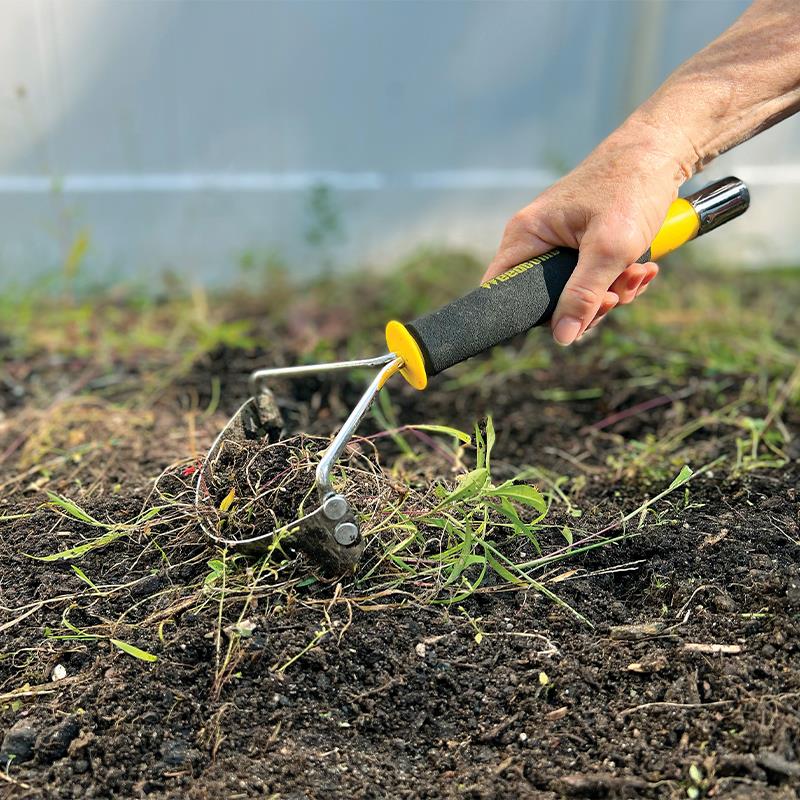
742 83
611 205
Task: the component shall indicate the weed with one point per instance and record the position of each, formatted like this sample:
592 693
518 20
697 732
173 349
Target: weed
325 223
77 634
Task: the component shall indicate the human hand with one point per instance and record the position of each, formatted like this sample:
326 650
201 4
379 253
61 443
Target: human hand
609 208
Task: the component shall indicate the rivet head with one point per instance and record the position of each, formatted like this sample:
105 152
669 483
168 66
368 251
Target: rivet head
334 507
346 533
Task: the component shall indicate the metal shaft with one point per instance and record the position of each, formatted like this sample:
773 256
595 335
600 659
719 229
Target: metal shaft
314 369
331 455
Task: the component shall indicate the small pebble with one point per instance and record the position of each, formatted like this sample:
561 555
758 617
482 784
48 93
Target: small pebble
18 743
59 672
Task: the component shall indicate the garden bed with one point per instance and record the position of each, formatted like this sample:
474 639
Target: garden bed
658 655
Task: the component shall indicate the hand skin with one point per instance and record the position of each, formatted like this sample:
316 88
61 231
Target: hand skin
611 206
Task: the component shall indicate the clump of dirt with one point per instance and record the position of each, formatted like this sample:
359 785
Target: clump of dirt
253 487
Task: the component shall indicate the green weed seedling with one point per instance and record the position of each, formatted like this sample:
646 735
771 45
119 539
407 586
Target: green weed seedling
112 530
76 634
449 541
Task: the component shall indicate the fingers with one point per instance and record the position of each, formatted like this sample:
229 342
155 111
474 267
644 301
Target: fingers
611 300
627 285
605 251
651 273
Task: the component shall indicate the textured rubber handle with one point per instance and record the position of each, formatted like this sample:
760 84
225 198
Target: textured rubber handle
510 304
527 295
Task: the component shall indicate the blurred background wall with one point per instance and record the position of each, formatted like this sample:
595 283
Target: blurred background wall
138 137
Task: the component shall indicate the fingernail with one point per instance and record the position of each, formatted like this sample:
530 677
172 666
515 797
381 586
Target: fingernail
566 330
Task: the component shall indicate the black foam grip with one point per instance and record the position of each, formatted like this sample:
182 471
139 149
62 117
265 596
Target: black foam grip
512 303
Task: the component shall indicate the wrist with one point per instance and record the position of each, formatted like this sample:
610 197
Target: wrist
664 130
661 149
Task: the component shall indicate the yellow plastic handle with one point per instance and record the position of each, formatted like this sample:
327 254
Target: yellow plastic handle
699 213
680 226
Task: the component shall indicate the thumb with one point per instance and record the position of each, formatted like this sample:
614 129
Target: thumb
603 255
519 243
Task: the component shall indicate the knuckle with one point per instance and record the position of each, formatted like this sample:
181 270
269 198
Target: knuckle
605 246
583 296
517 222
619 238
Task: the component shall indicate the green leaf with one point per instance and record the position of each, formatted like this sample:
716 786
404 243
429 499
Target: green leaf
444 429
149 514
490 439
480 449
466 559
504 573
566 532
217 568
470 586
73 510
520 528
444 523
82 575
134 651
684 475
67 624
469 486
520 493
81 549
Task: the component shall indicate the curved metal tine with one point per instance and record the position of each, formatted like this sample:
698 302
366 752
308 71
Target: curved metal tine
260 375
212 451
332 453
249 406
298 523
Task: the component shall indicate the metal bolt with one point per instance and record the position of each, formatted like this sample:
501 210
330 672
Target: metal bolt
346 533
334 507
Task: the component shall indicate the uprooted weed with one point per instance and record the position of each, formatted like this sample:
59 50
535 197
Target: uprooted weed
251 488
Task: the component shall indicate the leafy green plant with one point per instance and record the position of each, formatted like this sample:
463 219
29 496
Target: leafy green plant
451 538
325 222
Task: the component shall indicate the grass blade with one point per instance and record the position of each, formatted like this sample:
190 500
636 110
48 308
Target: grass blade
134 651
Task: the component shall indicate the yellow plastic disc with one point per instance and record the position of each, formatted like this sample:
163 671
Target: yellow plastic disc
400 341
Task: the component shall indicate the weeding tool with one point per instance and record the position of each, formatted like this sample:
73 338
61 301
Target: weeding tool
505 306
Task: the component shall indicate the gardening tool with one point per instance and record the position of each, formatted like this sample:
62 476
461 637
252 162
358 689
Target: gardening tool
505 306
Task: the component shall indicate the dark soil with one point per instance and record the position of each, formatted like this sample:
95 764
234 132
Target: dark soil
268 483
689 679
